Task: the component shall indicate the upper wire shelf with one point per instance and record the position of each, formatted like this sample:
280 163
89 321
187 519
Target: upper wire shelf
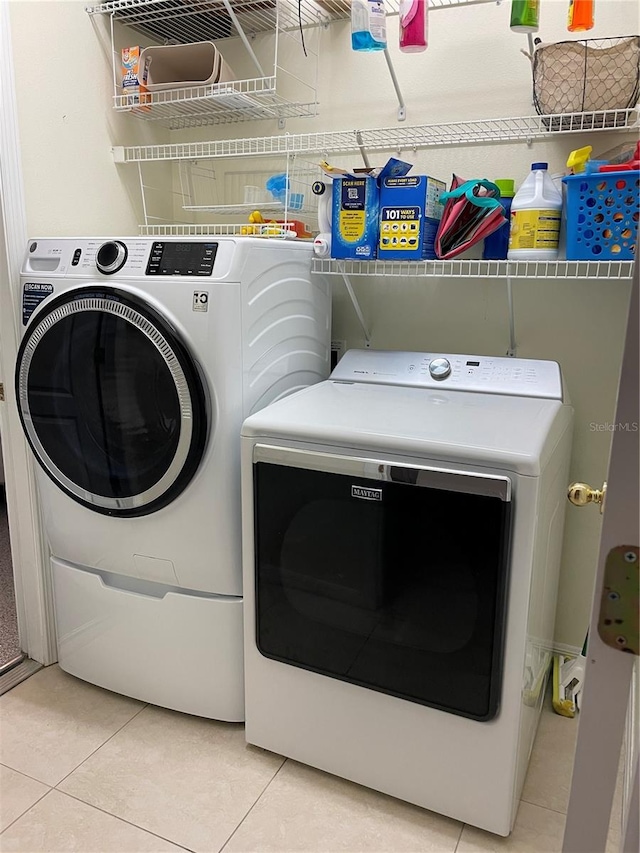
184 21
615 270
523 128
275 92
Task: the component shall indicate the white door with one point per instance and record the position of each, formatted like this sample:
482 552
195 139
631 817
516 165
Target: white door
29 551
610 663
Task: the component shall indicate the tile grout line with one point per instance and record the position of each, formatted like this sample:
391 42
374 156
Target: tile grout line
22 814
253 805
104 743
124 820
28 776
538 806
455 850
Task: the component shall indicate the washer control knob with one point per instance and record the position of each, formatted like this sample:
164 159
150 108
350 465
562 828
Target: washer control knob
439 368
111 257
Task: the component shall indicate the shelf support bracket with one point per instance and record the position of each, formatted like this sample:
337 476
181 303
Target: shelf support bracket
402 108
513 348
356 305
243 36
363 150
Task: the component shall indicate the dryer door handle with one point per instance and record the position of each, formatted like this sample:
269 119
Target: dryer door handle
425 476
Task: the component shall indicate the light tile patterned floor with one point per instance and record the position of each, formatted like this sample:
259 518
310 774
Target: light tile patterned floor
82 769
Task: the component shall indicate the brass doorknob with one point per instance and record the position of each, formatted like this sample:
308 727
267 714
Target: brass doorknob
581 494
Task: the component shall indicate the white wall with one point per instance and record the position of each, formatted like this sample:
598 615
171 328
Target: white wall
472 69
64 83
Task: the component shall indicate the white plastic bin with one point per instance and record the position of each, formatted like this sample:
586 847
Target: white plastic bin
175 66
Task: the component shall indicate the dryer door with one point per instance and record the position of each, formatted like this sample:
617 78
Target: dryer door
111 401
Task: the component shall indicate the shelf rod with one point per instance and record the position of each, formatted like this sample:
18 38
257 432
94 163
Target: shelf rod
363 150
356 305
243 36
512 351
402 109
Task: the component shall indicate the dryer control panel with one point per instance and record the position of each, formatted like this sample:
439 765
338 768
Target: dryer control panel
518 377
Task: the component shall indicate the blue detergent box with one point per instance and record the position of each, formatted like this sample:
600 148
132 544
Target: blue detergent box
354 220
410 213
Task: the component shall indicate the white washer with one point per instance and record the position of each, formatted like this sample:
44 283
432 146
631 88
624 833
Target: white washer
402 530
139 360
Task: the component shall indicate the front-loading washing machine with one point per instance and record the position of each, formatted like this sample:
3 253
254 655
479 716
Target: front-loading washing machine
140 358
402 531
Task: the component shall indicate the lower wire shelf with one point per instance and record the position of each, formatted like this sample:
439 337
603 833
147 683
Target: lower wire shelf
616 270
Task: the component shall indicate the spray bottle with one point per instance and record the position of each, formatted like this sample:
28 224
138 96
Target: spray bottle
413 25
368 25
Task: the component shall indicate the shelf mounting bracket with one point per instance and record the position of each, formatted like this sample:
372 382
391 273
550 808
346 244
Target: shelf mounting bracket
363 150
402 108
243 36
356 305
513 348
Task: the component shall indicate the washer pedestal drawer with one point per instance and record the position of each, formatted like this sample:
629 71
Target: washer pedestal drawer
182 650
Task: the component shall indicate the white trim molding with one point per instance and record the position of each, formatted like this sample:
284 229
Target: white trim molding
34 599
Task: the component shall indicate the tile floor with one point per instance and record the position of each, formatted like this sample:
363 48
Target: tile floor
82 769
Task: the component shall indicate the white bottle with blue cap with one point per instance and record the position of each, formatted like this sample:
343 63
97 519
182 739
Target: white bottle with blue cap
536 212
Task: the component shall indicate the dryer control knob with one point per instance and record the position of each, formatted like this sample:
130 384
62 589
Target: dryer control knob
439 368
111 257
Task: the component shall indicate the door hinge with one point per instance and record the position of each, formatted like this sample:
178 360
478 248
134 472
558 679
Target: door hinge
1 392
618 619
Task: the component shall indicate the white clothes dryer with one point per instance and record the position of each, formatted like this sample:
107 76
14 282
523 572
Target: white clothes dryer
402 530
139 361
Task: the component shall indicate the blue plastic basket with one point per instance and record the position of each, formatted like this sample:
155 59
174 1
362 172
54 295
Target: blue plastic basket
602 215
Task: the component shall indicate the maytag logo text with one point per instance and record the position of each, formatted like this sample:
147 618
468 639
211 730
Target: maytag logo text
366 494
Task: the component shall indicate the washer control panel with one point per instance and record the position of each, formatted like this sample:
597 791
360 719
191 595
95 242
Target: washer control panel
128 257
440 368
520 377
110 257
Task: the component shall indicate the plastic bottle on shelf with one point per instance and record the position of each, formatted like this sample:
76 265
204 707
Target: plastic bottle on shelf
322 243
413 25
496 245
536 212
525 16
580 16
368 25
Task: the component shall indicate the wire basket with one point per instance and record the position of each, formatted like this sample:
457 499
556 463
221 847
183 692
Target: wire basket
590 75
602 212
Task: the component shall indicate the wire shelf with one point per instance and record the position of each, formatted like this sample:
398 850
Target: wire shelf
276 92
218 103
267 229
281 188
184 21
272 208
610 270
522 128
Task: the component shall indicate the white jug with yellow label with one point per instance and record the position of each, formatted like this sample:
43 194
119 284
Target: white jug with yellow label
536 211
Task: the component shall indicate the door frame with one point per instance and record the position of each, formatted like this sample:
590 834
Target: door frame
30 557
609 697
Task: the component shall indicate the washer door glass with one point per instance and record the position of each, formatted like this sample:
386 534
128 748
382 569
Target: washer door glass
111 402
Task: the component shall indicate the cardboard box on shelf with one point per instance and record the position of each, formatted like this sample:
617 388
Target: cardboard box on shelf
354 221
134 77
410 212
